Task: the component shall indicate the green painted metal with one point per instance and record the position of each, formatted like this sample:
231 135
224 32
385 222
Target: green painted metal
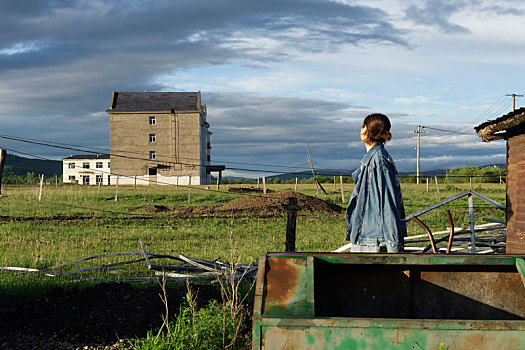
397 301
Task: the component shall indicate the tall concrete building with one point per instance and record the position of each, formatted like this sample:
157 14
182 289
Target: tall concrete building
159 138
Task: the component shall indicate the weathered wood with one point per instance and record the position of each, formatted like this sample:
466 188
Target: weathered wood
437 189
189 189
264 184
291 226
41 178
116 191
342 189
295 184
3 156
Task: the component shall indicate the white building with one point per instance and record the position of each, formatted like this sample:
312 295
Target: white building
87 169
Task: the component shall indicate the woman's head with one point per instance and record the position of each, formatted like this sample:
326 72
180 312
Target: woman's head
376 129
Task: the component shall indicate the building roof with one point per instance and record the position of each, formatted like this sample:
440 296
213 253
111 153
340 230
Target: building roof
513 122
87 156
154 101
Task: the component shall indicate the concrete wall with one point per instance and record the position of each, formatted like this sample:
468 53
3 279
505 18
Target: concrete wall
178 146
79 175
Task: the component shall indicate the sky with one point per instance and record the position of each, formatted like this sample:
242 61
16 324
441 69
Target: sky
275 75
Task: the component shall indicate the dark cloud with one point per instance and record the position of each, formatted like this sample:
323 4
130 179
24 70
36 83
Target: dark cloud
437 13
60 60
275 130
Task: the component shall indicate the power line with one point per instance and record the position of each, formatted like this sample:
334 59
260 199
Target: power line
86 149
444 130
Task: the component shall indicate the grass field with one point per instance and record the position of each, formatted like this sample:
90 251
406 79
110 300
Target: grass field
72 222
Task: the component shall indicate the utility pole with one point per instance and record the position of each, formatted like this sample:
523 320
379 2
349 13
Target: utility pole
514 100
418 131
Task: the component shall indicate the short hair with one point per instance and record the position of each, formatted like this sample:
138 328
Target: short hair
377 128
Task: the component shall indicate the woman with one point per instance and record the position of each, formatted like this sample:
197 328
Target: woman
375 213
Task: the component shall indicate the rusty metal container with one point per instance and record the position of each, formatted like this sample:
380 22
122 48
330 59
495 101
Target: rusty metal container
389 301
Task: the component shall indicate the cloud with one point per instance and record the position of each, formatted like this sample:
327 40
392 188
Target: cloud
437 13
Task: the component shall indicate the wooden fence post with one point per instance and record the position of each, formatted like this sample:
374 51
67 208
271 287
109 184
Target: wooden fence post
189 189
335 187
135 181
264 184
291 224
437 189
41 178
342 190
295 184
470 180
427 184
3 156
56 181
116 190
177 183
257 181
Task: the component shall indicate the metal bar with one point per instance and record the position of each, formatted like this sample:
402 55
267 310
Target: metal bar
489 200
310 285
437 205
145 254
407 259
520 265
451 236
429 233
471 219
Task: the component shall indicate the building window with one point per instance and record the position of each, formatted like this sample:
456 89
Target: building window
152 120
71 165
152 138
85 179
85 165
109 179
98 179
98 165
71 177
151 155
108 164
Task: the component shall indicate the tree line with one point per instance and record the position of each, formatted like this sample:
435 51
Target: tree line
489 174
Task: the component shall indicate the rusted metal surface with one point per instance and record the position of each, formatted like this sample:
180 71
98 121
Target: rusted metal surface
429 233
381 301
451 235
286 286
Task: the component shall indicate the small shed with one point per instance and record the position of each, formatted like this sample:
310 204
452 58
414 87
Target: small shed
511 127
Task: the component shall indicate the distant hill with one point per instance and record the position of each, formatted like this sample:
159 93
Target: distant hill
346 172
16 165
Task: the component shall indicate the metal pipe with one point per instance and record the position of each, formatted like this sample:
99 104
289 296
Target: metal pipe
451 236
427 230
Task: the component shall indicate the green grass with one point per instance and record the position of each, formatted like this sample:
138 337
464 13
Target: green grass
36 235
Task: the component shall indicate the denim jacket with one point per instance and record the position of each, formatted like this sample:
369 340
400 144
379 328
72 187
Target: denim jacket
375 213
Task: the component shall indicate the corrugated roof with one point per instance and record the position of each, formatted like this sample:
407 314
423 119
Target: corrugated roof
88 156
154 101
